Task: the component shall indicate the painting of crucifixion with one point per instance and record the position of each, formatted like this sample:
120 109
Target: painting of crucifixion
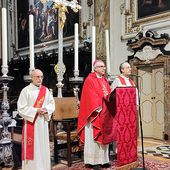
45 22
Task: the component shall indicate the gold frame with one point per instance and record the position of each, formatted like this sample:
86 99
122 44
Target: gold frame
135 20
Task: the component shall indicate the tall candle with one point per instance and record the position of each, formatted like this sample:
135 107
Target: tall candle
76 61
93 45
107 51
127 5
4 38
31 40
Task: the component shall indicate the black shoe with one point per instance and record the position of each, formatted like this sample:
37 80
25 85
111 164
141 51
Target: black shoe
95 167
114 156
107 165
88 166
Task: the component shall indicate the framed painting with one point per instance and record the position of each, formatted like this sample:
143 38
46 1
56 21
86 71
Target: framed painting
149 10
22 23
45 22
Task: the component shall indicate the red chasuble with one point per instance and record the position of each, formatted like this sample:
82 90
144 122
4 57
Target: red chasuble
29 136
93 92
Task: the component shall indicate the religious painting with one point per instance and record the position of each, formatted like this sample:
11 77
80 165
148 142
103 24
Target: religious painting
45 22
102 21
22 23
148 8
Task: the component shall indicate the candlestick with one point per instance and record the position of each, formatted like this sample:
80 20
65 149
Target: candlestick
107 51
6 153
76 48
31 41
4 38
93 45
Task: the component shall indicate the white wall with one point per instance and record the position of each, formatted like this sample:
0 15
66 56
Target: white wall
118 48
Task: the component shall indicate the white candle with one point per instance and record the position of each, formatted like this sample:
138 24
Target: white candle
4 38
76 61
127 5
93 45
107 51
31 40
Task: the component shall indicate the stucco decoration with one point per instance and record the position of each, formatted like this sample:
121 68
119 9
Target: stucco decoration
148 53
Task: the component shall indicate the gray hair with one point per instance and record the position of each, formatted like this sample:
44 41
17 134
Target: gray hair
96 62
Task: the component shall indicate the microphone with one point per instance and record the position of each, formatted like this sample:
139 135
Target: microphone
134 75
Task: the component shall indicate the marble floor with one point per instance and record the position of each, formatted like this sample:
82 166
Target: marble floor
152 149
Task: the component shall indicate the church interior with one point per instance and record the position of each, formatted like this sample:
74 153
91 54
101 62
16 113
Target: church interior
64 43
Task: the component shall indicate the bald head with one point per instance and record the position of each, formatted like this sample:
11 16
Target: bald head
35 72
37 77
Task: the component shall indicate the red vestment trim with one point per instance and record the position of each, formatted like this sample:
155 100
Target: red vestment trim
29 136
123 82
93 92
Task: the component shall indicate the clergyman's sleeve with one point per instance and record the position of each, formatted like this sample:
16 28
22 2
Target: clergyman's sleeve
50 106
115 84
25 111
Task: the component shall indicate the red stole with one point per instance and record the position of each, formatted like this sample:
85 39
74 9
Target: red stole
29 136
93 92
123 82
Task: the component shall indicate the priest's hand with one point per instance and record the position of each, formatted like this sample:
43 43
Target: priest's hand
42 111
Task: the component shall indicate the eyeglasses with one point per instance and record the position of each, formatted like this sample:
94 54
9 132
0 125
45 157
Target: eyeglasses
39 77
101 66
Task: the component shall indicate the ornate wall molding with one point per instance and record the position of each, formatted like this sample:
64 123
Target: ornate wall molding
134 24
148 53
148 46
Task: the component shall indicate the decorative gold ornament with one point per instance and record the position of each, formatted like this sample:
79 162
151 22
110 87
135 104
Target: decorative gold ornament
62 9
56 69
62 13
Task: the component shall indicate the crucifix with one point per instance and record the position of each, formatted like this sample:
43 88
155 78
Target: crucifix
62 5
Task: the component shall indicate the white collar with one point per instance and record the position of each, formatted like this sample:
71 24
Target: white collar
98 75
124 77
35 87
